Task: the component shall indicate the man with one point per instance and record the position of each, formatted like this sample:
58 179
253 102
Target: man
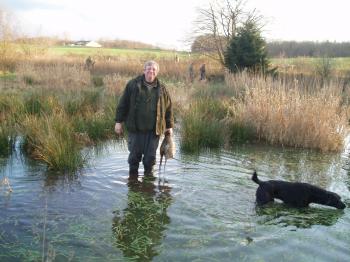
202 72
146 110
191 72
89 63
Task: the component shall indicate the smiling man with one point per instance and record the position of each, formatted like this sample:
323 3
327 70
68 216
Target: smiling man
146 110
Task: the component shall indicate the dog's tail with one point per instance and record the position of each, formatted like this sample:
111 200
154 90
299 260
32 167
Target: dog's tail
255 178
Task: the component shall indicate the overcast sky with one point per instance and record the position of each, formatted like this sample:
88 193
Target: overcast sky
167 23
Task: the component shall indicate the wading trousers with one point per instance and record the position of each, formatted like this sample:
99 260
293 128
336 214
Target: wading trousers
142 144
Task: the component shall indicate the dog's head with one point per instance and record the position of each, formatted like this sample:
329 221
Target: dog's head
334 200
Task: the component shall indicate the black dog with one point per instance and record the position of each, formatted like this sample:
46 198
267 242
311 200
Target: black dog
294 194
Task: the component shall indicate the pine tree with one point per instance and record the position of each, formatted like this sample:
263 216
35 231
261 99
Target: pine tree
247 50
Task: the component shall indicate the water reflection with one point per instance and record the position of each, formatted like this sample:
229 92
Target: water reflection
281 215
54 180
139 228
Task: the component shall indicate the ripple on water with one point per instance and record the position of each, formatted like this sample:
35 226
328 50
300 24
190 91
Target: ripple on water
206 202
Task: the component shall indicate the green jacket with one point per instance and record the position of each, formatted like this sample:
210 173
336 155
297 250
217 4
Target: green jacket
127 108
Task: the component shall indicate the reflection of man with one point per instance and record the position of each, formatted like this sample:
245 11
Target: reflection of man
139 229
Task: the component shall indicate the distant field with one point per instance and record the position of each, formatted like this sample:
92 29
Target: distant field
305 65
86 51
340 66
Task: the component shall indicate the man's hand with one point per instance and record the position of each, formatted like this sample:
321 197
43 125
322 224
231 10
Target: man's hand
118 128
168 131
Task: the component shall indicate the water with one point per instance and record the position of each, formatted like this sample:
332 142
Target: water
201 208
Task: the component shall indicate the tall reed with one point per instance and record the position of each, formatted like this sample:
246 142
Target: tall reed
284 113
59 75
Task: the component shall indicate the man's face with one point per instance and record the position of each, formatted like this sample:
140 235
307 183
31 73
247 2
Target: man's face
150 73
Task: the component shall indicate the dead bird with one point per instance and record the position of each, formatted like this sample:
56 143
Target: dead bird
167 148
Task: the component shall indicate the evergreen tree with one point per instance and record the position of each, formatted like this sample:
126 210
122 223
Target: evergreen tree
247 50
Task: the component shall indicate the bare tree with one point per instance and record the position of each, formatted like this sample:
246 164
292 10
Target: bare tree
217 24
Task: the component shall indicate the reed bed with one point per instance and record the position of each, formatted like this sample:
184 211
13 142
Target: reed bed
56 123
73 67
284 113
75 106
62 76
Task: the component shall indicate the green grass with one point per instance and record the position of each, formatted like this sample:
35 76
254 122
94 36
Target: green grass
308 65
51 140
5 141
7 76
202 125
119 52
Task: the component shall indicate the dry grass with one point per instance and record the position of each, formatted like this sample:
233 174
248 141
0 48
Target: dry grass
284 113
55 75
115 83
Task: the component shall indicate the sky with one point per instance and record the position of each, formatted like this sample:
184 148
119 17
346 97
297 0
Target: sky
168 23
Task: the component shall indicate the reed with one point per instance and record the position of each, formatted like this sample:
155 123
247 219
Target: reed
97 126
284 113
202 125
10 108
61 107
50 139
56 75
69 71
115 83
5 139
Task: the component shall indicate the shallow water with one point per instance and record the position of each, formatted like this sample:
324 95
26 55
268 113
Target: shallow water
200 208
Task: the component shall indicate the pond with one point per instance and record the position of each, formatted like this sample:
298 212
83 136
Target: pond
200 208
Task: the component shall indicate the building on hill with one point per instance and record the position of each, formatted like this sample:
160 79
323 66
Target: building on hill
86 44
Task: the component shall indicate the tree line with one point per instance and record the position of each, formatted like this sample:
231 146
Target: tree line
308 48
285 48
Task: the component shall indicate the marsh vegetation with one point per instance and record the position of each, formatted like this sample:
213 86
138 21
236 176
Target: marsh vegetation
57 106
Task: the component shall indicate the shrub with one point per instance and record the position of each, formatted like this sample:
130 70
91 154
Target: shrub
247 50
